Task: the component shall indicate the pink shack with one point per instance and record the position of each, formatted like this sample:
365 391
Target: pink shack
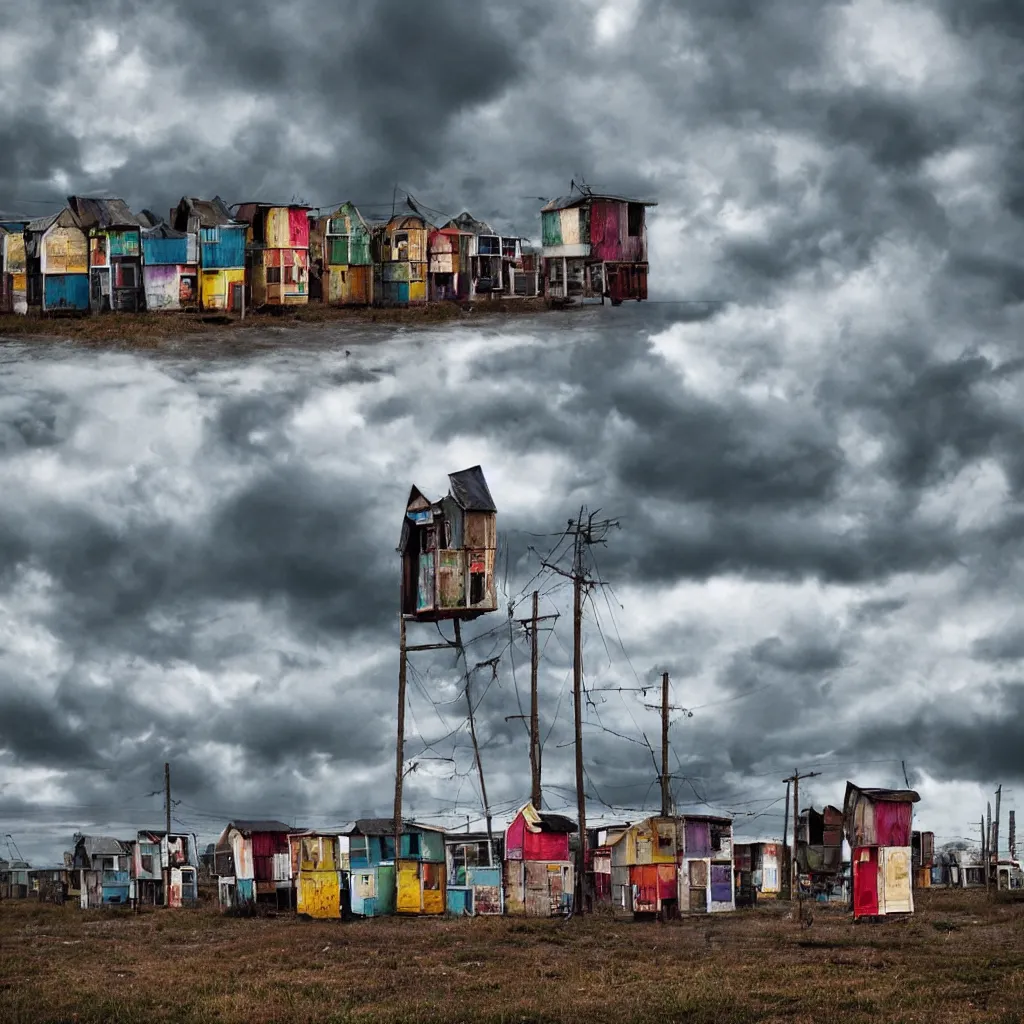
539 874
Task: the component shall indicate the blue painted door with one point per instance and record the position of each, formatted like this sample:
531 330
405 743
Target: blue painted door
460 902
67 291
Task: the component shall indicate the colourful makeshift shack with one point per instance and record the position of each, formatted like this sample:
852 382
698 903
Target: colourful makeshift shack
819 854
103 865
320 868
13 268
540 875
220 242
400 260
14 879
497 268
170 268
276 253
473 869
164 869
595 245
706 879
878 824
922 846
57 261
448 273
420 865
757 871
341 268
644 868
115 254
253 864
599 862
448 551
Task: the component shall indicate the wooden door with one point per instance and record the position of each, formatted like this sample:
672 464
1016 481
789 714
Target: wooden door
865 881
698 872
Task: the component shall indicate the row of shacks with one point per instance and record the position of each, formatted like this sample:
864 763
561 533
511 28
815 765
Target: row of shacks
154 868
97 255
660 866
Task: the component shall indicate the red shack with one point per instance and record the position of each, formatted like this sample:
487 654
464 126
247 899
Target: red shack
878 828
595 246
539 874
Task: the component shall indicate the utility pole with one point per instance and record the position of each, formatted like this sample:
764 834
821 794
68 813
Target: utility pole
535 794
167 837
785 884
666 786
532 627
794 870
472 733
988 845
577 707
400 742
1012 836
995 834
584 534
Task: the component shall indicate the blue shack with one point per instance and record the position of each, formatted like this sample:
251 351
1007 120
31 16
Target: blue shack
103 866
57 262
170 266
220 243
473 863
420 884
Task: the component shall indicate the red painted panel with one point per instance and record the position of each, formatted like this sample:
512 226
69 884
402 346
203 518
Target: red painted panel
550 846
298 228
666 881
514 839
605 230
892 823
865 881
266 844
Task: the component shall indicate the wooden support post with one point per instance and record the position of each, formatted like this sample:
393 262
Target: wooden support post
535 793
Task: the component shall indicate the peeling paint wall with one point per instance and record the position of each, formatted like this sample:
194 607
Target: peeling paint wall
219 287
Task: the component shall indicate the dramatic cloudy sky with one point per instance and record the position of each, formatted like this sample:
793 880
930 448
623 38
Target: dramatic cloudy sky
819 486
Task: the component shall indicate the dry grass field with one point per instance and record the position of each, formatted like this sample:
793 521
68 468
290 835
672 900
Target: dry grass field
148 330
961 958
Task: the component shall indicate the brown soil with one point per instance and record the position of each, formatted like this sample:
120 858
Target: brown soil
959 959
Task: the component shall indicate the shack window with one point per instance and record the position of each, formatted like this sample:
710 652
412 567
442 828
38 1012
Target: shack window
273 275
488 245
477 577
414 844
508 248
387 845
401 245
416 271
210 235
432 875
555 271
124 276
635 219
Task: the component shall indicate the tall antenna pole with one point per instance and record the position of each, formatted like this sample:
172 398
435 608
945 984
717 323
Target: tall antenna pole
666 788
995 833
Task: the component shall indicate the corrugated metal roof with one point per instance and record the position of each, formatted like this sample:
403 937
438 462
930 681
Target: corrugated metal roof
42 223
469 489
555 822
212 213
163 230
579 199
386 827
343 829
103 213
466 222
104 846
246 826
